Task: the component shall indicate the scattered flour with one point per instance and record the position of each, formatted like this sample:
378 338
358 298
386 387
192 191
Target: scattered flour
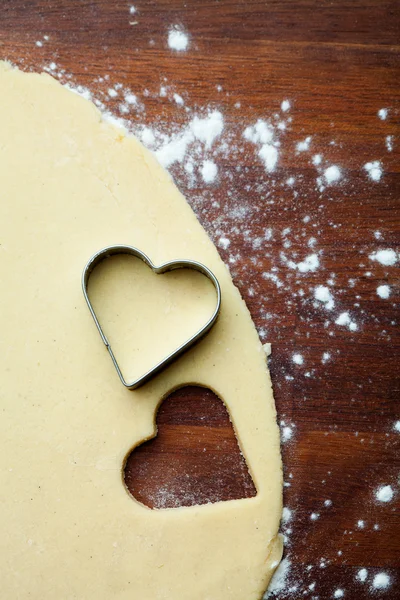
286 515
383 113
338 593
389 143
266 135
362 575
178 40
325 357
202 129
316 159
383 291
360 524
209 171
208 128
381 581
224 243
286 434
174 150
304 145
269 154
278 581
344 320
310 263
130 98
298 359
323 294
332 174
396 426
285 106
384 493
374 170
178 99
147 136
386 257
260 133
132 10
314 516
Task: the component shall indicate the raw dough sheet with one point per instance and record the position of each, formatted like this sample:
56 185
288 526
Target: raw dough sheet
72 184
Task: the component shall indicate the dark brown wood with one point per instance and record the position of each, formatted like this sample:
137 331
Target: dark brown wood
338 63
195 458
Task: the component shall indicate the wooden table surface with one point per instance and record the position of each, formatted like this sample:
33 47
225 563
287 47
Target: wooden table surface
338 64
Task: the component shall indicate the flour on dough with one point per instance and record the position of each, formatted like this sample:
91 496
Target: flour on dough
72 184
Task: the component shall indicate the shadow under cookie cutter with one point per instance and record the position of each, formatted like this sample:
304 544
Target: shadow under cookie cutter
97 258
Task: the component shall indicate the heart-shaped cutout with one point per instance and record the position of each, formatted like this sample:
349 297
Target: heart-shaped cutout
148 321
193 459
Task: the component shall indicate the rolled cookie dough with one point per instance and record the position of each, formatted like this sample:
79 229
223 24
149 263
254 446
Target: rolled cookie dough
71 184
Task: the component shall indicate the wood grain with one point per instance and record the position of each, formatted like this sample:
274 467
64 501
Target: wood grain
338 63
195 458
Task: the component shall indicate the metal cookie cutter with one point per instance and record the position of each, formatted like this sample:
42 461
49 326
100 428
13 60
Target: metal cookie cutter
168 266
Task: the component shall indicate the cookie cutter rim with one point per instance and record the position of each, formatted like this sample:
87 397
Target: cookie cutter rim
109 251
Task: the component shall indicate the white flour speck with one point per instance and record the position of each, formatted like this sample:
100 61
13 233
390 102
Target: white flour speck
174 150
316 159
112 93
381 581
287 433
269 154
362 575
383 291
285 106
224 243
298 359
178 40
332 174
286 515
209 171
39 44
389 143
147 136
374 170
207 129
310 263
323 294
386 257
360 524
384 493
396 426
260 133
338 593
304 145
344 320
314 516
325 357
130 98
383 113
328 503
178 99
132 10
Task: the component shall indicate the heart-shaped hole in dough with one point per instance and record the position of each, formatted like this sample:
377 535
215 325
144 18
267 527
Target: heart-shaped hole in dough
147 316
193 459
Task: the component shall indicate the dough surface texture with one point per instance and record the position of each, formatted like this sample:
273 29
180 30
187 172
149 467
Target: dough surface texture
71 184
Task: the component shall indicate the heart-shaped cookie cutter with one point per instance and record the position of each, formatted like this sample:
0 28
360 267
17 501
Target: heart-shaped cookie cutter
168 266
